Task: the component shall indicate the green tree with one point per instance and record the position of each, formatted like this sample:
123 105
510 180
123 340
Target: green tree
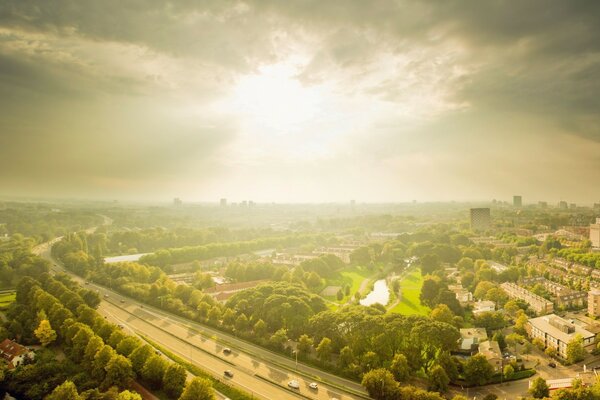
260 328
45 333
429 292
539 388
346 356
508 371
305 344
118 372
324 349
101 360
198 389
94 345
477 370
400 368
154 371
66 391
241 323
575 350
127 395
438 379
442 313
279 338
174 380
380 384
339 295
139 357
499 337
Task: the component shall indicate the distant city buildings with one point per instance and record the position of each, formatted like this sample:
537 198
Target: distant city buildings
557 332
542 204
595 233
177 202
563 205
223 202
594 303
480 219
537 303
517 201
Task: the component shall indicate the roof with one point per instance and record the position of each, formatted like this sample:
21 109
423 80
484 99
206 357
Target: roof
490 349
485 303
9 349
543 324
479 333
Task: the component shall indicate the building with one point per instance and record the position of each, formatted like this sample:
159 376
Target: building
483 306
470 339
517 201
542 204
557 332
594 303
480 219
563 205
223 202
595 233
537 303
564 296
490 349
14 354
177 202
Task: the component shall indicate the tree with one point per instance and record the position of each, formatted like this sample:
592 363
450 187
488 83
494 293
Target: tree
198 389
442 313
305 344
279 338
324 349
128 345
154 370
539 388
346 356
438 379
429 264
508 371
400 368
539 343
174 380
260 328
499 337
429 292
575 350
477 370
139 357
127 395
101 359
94 346
66 391
339 295
45 333
521 322
241 323
380 384
550 351
118 372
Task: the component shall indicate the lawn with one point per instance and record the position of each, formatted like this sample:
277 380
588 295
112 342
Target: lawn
357 276
6 299
411 289
353 277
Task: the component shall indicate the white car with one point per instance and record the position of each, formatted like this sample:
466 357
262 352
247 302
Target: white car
294 384
313 385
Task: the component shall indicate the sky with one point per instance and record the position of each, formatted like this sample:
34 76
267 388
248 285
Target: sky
300 101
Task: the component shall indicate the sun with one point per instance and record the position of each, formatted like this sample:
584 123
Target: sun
274 98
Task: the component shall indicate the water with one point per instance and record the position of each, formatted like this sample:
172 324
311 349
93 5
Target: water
380 294
128 257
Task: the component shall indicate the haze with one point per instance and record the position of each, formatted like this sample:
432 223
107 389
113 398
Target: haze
297 101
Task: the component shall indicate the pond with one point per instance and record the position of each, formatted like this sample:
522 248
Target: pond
380 294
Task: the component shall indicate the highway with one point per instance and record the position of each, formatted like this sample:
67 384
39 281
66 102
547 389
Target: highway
260 372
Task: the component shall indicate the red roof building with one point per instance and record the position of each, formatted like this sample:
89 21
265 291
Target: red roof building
13 353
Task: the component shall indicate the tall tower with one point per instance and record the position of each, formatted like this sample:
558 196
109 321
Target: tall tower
517 201
595 233
480 219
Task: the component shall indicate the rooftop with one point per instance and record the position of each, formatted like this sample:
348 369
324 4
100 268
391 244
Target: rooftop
544 324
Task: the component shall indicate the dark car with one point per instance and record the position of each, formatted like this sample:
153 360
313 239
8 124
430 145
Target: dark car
228 373
552 364
226 350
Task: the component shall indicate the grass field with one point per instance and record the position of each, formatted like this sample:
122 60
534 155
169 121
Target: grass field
6 299
411 289
356 276
353 277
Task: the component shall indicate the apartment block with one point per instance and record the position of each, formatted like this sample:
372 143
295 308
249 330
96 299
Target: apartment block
537 303
480 219
595 233
563 295
557 332
594 303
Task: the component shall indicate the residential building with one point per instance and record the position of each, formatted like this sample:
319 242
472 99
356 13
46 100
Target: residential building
542 204
499 268
564 296
491 350
563 205
480 219
223 202
557 332
470 339
594 303
537 303
14 354
483 306
517 201
595 233
177 202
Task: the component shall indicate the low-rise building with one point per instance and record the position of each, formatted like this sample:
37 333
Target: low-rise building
14 354
491 350
595 233
537 303
558 332
563 296
470 338
483 306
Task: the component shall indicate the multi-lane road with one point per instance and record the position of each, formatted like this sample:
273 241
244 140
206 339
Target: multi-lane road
260 372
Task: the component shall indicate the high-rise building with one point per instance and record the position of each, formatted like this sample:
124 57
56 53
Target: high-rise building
223 202
480 219
177 202
563 205
594 303
542 204
517 201
595 233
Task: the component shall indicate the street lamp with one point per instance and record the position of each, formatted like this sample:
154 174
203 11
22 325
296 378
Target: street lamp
296 353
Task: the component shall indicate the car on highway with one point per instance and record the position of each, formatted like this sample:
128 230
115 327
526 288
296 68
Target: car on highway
226 350
106 296
552 364
313 386
294 384
121 326
228 373
122 301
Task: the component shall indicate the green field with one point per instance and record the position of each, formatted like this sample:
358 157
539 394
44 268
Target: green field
411 289
356 276
6 299
353 277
